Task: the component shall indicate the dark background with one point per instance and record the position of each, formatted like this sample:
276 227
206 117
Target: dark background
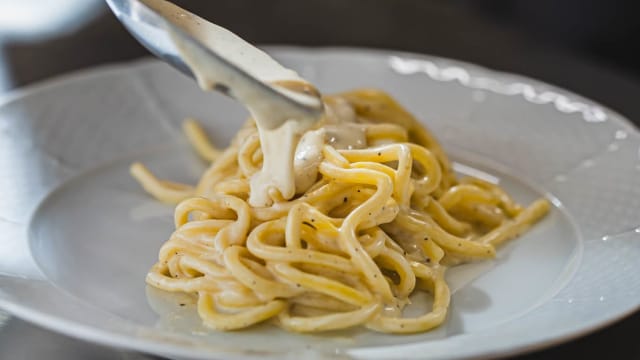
591 47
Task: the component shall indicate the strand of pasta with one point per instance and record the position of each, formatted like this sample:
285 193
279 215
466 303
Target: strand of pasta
199 140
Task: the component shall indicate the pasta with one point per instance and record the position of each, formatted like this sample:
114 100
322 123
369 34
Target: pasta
374 220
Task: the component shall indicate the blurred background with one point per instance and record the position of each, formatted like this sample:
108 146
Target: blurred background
591 47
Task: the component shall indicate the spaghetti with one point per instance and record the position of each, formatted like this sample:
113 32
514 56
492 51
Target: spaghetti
378 215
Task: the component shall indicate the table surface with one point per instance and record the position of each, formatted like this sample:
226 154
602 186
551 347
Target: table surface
104 41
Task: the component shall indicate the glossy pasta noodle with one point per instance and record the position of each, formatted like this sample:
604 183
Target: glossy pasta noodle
378 222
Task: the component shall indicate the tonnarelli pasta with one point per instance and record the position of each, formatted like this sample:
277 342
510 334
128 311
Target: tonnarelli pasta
380 217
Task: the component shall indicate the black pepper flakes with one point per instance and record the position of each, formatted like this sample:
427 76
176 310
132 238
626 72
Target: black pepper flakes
309 225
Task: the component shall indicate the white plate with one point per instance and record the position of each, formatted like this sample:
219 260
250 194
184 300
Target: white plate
78 234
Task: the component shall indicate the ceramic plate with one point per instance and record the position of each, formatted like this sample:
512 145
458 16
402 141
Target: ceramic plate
78 234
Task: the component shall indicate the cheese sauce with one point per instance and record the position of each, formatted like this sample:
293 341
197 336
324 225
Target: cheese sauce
292 149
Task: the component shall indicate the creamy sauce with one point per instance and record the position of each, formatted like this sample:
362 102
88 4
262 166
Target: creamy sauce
291 155
278 132
307 159
299 87
276 174
347 136
237 51
342 127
